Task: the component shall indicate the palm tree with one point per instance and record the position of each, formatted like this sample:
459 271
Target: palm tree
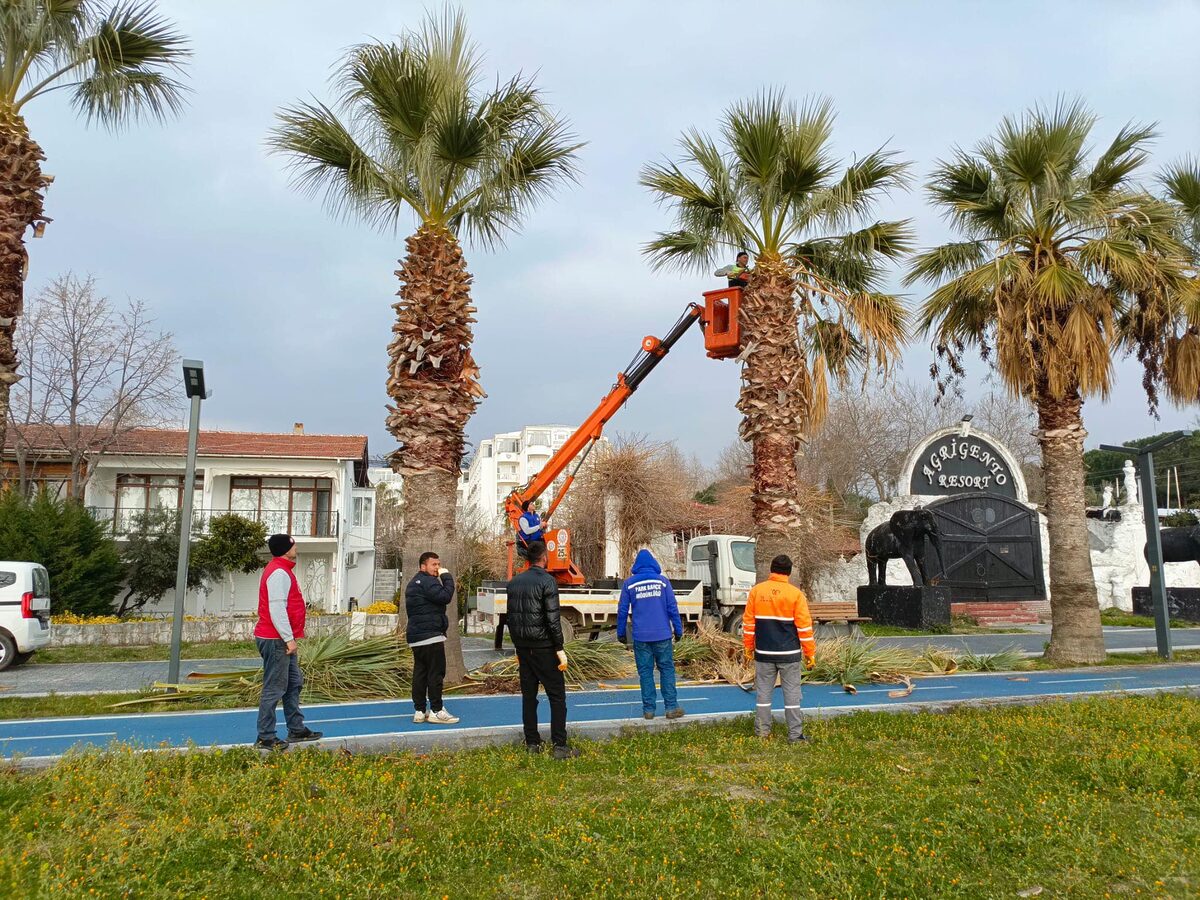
116 61
813 308
1055 253
415 132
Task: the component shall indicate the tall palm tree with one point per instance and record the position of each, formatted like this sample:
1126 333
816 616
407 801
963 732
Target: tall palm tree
813 308
1056 251
415 132
116 61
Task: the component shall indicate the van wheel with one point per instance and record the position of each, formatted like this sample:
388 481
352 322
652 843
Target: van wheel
734 624
8 651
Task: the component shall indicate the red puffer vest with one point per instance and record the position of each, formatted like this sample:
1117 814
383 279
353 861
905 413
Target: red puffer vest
295 602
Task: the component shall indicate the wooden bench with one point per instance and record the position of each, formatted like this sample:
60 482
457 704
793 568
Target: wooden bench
829 619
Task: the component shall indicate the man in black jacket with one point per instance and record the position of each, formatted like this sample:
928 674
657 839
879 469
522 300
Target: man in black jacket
536 632
425 601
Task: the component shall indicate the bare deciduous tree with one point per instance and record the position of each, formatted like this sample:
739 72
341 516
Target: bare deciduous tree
94 372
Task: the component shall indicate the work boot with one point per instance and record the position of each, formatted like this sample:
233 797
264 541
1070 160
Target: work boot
271 744
565 752
648 714
535 748
441 717
306 735
676 713
798 740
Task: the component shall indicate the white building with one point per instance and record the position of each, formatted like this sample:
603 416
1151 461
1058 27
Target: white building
502 463
311 486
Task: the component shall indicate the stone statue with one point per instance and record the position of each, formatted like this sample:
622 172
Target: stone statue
1130 476
1178 545
903 537
1108 494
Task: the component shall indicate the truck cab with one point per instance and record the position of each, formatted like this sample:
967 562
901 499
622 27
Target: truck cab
724 565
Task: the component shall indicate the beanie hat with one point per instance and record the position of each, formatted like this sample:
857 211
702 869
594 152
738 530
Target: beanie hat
280 544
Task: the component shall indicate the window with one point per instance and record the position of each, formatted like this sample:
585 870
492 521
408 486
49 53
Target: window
294 505
510 446
743 555
539 439
363 507
138 494
41 582
487 451
700 553
7 579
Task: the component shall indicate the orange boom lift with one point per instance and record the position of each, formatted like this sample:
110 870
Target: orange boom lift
718 317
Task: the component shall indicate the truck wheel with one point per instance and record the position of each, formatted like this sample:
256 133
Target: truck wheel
734 624
568 630
8 651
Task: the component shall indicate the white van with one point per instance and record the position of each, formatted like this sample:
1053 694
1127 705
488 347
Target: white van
24 611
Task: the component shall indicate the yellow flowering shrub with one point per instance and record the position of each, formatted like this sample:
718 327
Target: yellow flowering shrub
382 607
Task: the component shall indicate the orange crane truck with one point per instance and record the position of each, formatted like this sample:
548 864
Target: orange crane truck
591 606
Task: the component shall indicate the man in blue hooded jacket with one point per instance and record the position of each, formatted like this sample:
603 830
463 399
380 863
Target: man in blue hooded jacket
647 598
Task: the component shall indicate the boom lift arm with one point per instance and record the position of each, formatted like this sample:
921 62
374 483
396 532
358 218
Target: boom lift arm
584 439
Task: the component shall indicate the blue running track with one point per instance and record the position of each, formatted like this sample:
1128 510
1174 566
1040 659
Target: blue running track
391 721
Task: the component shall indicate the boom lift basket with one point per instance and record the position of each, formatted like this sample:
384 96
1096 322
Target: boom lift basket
722 336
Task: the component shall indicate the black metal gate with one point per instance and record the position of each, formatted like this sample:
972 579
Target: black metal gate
992 547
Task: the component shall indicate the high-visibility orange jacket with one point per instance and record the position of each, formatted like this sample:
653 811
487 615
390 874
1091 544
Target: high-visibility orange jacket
777 625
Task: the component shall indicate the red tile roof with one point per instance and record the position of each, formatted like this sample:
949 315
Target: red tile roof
173 442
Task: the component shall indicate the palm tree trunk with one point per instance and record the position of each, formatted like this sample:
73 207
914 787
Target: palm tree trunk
21 184
1075 633
773 406
434 388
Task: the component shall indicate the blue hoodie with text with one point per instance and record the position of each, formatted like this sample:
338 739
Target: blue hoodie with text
648 597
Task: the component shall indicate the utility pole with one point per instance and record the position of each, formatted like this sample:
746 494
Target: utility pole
1158 581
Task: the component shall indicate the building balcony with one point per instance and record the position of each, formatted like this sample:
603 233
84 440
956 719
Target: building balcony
297 523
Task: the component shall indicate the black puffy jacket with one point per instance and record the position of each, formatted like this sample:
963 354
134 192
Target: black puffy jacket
532 616
425 602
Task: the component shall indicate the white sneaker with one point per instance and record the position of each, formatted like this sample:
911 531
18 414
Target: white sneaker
441 717
419 717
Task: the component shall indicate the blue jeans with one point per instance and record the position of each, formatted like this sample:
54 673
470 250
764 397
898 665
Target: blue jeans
647 655
281 681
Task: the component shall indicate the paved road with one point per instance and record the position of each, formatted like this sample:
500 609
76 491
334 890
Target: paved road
1116 640
88 678
493 719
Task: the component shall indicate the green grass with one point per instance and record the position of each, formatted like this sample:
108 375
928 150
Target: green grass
1081 799
1114 616
97 653
1120 659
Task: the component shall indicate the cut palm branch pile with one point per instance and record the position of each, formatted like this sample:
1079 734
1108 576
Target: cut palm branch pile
335 668
588 662
715 655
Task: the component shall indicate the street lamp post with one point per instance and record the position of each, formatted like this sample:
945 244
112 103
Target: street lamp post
1158 578
193 384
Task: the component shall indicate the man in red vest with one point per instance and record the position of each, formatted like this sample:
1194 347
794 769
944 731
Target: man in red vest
280 625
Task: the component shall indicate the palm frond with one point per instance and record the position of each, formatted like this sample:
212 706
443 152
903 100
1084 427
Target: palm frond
128 66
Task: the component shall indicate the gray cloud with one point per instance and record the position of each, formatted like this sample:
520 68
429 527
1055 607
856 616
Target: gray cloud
198 220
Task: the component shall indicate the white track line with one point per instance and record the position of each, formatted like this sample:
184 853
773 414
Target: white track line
42 737
1084 680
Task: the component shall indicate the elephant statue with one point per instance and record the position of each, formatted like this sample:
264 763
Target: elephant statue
1179 544
903 537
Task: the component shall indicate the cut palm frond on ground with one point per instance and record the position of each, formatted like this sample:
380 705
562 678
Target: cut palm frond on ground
335 668
588 662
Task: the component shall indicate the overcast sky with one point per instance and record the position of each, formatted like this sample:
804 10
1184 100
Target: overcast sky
291 310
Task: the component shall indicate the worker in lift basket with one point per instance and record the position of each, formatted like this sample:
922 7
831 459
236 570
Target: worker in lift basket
738 273
530 529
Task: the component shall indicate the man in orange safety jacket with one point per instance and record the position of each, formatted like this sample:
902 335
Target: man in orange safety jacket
778 634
